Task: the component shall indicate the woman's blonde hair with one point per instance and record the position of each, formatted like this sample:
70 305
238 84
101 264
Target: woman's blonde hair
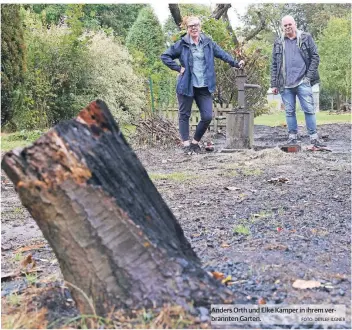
187 19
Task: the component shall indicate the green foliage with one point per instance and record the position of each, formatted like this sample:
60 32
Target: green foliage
14 299
49 13
218 32
335 57
202 11
146 43
12 60
258 55
68 68
241 230
146 36
56 70
119 17
26 135
309 17
113 79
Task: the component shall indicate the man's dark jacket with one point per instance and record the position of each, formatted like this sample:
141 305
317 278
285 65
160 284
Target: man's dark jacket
310 55
182 50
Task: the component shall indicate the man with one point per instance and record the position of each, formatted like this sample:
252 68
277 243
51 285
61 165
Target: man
293 73
196 79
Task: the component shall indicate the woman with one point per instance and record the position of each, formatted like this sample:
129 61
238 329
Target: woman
196 79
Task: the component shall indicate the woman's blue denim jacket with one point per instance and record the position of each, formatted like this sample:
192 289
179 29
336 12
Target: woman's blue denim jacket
182 50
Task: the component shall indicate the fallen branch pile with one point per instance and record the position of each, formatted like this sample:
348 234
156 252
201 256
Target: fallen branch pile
157 130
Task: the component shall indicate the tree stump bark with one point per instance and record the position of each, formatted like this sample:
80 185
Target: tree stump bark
116 240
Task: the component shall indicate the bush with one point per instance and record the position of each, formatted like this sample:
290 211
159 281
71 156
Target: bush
56 74
113 79
68 68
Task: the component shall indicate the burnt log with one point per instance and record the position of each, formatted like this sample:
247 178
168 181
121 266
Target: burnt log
117 242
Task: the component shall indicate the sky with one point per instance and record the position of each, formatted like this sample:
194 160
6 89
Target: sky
162 10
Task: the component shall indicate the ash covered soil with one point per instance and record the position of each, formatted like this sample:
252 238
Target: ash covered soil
240 221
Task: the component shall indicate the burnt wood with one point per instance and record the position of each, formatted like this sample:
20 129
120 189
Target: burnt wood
117 242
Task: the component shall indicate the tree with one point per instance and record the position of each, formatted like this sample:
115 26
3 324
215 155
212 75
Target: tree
57 70
12 60
119 17
335 58
146 42
117 242
113 79
146 35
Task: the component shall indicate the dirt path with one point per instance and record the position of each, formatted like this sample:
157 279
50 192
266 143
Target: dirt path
265 235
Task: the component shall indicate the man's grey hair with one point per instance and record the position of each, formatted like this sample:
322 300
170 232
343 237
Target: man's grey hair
287 16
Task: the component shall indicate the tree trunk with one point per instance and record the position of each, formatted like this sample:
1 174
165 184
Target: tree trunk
338 101
225 18
176 14
220 10
258 29
116 240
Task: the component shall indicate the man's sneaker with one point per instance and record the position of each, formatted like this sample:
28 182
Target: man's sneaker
316 143
195 148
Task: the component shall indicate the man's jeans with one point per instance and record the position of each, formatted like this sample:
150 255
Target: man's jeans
305 96
204 101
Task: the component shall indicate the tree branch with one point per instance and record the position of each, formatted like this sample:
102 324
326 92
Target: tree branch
220 10
258 29
176 14
225 18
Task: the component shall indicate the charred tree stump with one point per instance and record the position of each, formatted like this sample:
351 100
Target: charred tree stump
116 240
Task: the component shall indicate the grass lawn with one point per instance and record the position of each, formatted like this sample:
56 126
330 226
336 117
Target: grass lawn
19 139
323 117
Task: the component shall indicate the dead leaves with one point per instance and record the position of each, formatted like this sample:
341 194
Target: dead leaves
279 179
232 188
218 275
261 301
279 247
303 284
27 265
221 276
29 248
225 245
28 261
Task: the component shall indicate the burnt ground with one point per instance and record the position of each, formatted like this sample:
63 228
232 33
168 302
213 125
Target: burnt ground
265 235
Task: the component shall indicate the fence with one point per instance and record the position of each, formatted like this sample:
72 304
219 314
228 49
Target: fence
218 122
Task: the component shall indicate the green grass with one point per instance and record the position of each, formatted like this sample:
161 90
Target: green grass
175 176
323 117
19 139
14 299
18 257
262 214
241 229
250 172
31 278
